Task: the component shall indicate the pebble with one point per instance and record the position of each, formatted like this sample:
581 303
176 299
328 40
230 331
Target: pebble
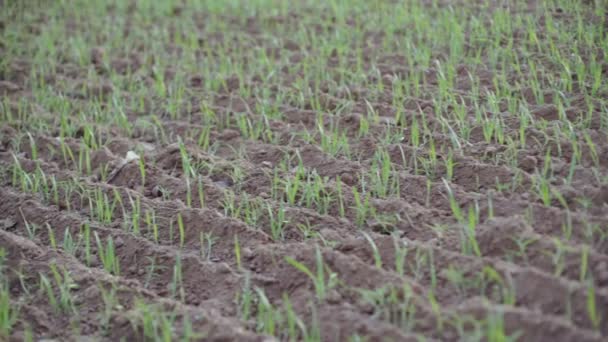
156 191
94 261
344 221
347 178
119 242
131 156
222 184
224 268
247 253
333 297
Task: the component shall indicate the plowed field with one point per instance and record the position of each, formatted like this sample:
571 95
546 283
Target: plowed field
304 170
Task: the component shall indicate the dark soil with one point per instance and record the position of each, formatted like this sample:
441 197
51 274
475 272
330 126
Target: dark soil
538 291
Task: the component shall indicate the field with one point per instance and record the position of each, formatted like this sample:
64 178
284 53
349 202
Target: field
342 170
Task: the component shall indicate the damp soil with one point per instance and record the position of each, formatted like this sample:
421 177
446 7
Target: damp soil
544 301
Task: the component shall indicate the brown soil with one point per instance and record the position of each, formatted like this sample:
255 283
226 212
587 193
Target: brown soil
549 302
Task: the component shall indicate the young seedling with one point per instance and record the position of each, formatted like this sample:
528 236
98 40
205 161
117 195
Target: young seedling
375 251
65 285
323 280
207 240
9 313
468 239
177 285
277 222
592 310
152 225
182 231
237 251
107 255
111 303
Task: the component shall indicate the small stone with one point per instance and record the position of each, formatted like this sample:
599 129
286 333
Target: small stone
131 156
119 242
344 221
157 191
267 164
224 268
347 178
94 261
247 253
141 272
264 195
333 297
222 184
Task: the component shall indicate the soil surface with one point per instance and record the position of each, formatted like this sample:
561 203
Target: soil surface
174 155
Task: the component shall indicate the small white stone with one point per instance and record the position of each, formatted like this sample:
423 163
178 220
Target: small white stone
131 156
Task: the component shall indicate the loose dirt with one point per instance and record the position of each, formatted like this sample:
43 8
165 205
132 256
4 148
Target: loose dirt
193 245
